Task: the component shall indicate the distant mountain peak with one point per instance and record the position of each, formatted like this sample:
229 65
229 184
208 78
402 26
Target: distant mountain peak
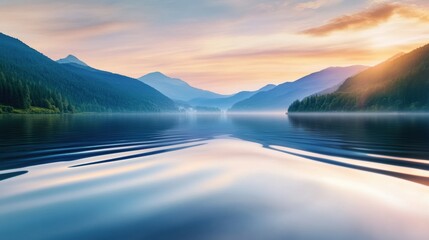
281 96
157 77
176 88
71 59
334 68
156 74
267 87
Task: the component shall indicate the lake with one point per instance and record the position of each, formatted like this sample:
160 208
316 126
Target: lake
243 176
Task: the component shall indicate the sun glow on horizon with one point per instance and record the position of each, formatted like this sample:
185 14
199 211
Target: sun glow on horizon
220 46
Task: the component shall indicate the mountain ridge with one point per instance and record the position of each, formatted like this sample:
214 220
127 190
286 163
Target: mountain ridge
398 84
71 59
280 97
227 102
30 79
176 88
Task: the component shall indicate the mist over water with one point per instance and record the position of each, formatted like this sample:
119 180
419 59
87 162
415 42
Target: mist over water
160 176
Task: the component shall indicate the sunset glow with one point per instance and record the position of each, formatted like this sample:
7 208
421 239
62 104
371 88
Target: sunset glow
224 45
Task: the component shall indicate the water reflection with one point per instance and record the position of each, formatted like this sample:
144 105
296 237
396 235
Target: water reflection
137 176
400 135
4 176
384 139
38 139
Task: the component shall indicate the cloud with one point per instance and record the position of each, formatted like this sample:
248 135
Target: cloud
316 4
368 18
283 53
65 20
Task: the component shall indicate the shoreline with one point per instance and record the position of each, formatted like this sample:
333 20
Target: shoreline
351 114
293 114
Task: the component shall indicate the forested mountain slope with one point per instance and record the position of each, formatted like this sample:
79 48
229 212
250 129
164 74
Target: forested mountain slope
399 84
30 79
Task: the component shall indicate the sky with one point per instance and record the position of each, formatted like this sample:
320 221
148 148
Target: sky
220 45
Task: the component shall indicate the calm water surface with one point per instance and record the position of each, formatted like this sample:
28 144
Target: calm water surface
137 176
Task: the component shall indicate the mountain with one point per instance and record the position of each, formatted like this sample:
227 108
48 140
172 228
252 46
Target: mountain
71 59
176 89
329 90
29 80
398 84
227 102
280 97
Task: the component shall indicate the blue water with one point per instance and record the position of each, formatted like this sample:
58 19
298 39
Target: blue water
116 176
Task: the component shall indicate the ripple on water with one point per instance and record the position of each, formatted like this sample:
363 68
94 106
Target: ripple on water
185 178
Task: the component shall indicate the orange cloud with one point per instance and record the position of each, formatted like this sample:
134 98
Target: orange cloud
368 18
